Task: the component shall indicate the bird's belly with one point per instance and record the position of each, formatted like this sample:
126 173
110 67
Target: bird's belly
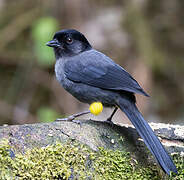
89 94
83 92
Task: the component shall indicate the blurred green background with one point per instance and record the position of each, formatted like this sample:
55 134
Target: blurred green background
145 37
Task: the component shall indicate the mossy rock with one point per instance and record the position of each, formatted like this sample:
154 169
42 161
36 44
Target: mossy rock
73 160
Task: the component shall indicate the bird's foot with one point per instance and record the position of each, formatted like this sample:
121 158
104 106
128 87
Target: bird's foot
72 117
109 121
69 118
77 122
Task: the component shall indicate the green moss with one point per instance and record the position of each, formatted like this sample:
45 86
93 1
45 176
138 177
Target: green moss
111 164
179 162
72 160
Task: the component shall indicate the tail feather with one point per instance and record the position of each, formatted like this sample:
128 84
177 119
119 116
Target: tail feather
147 134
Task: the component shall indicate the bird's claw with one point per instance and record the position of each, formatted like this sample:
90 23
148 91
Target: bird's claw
77 122
70 118
61 119
108 121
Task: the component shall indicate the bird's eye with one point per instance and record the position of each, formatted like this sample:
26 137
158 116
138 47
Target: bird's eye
69 40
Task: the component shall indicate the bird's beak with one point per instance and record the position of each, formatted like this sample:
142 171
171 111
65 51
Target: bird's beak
53 43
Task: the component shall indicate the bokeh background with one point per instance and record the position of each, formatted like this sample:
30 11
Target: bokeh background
146 37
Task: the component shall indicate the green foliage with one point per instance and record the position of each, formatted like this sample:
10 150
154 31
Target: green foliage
42 32
179 161
75 161
46 114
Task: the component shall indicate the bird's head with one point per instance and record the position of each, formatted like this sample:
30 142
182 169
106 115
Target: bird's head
69 42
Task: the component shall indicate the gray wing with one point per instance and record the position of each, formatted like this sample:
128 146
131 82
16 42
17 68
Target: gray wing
96 69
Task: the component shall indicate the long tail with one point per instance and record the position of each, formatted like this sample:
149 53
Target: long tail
147 134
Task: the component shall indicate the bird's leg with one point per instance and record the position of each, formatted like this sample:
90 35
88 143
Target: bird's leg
110 118
72 117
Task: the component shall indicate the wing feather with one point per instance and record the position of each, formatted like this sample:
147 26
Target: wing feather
96 69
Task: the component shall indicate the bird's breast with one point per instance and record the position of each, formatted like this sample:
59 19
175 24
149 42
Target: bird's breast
61 77
59 70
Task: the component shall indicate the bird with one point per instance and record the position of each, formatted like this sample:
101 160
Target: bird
91 76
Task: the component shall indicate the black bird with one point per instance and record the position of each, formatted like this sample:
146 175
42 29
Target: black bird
91 76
